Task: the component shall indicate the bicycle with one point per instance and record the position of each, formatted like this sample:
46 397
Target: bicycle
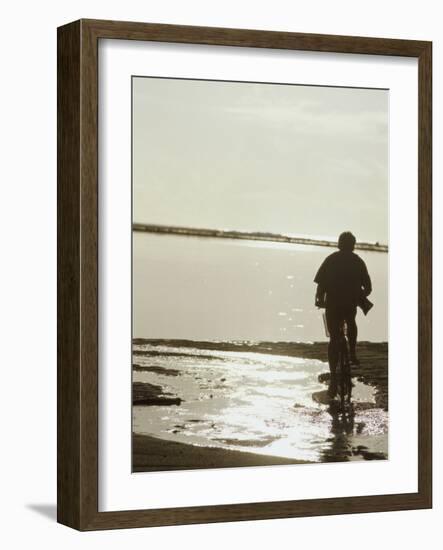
344 381
342 376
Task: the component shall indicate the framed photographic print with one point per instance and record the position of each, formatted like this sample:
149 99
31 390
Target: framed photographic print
244 274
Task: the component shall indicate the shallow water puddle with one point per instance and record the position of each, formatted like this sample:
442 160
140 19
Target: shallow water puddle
255 402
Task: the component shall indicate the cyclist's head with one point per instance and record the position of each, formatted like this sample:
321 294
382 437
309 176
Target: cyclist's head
346 241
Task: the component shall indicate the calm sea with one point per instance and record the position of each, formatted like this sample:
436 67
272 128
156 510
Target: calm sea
213 289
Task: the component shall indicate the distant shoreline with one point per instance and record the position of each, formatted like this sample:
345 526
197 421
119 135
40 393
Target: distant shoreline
249 236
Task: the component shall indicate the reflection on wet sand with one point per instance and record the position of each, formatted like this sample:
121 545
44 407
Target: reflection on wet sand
265 398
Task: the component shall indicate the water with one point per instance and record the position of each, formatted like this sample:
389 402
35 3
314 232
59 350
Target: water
213 289
225 290
258 402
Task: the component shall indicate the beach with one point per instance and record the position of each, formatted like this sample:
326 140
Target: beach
200 404
152 454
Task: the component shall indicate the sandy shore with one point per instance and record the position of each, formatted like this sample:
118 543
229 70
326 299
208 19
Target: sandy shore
152 454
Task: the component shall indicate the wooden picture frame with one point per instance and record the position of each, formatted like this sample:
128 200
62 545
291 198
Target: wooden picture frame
78 274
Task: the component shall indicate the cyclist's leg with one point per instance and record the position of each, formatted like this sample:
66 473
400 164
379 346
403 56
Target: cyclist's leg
350 315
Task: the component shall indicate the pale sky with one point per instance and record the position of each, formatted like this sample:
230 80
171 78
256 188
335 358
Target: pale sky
261 157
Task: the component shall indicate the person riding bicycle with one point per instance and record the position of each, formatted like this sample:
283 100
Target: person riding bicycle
343 283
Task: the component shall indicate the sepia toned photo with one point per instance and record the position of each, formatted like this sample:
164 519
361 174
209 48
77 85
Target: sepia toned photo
260 236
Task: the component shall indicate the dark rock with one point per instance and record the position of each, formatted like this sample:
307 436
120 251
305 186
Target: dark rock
152 395
158 370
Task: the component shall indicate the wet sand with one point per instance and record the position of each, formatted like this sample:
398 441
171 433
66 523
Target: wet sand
154 454
150 454
373 357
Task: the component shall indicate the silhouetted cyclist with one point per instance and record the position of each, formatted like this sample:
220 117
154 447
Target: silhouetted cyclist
343 283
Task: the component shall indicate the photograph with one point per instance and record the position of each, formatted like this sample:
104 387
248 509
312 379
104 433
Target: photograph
260 274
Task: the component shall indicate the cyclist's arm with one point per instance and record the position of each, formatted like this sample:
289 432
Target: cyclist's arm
321 279
320 296
366 281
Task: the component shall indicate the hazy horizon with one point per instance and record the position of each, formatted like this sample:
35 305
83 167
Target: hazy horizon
261 157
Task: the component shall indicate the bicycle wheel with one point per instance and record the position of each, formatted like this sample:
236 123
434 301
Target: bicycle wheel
347 382
341 374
